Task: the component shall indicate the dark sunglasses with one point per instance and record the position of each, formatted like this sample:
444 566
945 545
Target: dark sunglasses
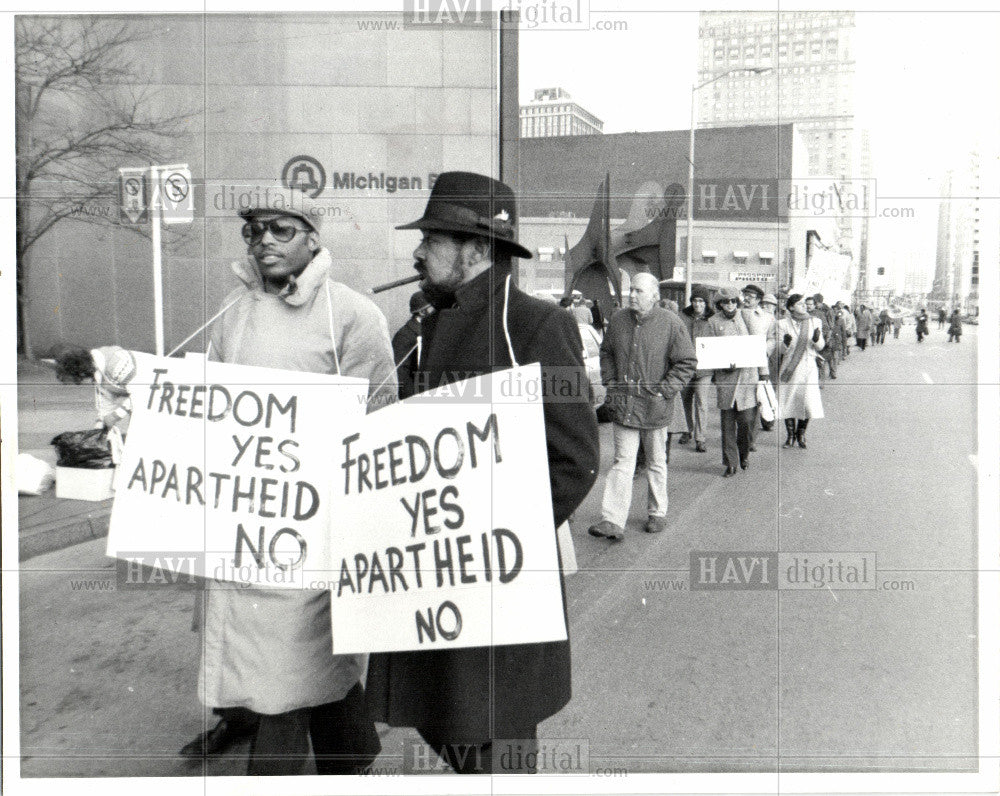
281 229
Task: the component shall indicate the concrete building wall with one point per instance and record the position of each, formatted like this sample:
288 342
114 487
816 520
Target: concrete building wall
264 89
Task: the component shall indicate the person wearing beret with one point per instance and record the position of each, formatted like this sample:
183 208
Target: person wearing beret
462 700
269 650
696 394
800 339
736 388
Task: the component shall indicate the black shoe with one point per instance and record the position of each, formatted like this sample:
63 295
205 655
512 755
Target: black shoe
216 740
745 463
766 425
607 530
700 447
730 471
685 438
752 447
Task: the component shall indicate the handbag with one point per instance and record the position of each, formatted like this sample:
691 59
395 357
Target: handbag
767 400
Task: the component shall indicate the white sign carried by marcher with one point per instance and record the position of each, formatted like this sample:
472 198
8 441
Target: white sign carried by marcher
233 466
443 534
732 351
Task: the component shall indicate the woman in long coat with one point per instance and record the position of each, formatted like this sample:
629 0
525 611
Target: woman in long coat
800 339
863 326
955 327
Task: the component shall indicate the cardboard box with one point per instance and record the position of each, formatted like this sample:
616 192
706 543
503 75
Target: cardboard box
78 483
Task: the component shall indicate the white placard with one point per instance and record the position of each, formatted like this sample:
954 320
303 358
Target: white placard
231 466
734 351
443 535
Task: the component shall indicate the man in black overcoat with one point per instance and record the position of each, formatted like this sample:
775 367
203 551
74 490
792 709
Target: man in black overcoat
461 700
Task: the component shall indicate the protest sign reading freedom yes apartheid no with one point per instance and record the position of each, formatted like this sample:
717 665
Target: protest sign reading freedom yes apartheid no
444 534
231 466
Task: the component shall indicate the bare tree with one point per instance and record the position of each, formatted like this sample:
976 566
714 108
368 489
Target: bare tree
83 109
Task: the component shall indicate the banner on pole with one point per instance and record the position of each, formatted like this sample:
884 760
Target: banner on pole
133 196
443 533
233 466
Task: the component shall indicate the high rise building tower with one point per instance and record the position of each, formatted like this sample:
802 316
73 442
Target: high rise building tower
963 227
553 113
810 57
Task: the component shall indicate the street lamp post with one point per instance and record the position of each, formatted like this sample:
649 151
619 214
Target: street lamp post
690 198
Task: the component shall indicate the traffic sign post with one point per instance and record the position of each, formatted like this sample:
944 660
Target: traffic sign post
161 195
156 214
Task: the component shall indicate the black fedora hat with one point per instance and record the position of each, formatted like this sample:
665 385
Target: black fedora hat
474 204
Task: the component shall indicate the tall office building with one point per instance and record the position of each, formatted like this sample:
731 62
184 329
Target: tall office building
964 224
810 58
553 113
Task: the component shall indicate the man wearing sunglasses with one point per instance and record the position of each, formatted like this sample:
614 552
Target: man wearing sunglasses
736 388
268 650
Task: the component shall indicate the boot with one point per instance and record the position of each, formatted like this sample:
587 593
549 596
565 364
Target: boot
800 433
790 429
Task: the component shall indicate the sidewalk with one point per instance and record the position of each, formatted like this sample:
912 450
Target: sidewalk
45 407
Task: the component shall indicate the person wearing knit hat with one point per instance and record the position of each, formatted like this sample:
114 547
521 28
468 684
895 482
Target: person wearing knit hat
800 337
269 650
759 321
736 388
769 302
695 395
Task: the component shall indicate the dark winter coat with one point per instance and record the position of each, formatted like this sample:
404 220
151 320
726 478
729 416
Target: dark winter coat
472 694
955 324
645 362
697 327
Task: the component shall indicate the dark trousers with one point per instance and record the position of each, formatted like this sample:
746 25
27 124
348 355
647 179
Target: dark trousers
736 425
343 738
830 356
517 755
862 343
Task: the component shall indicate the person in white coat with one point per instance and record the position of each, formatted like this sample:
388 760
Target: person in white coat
800 337
269 650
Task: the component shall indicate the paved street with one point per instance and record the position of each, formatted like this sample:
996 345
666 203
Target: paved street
665 678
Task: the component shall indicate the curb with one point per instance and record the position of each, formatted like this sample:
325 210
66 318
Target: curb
51 539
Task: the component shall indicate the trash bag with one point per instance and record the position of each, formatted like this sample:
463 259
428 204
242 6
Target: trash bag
87 449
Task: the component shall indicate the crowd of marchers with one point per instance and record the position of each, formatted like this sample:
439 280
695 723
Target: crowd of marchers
266 667
650 369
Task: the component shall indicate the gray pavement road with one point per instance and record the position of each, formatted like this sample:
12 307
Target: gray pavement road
666 678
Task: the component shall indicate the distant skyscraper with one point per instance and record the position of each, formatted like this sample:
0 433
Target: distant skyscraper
962 229
554 113
810 55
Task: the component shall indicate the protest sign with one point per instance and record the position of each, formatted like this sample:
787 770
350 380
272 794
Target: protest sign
734 351
231 465
443 533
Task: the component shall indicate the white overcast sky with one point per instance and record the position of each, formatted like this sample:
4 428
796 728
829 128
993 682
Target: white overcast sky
927 86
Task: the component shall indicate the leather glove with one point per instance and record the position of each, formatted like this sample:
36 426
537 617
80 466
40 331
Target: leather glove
788 339
816 335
